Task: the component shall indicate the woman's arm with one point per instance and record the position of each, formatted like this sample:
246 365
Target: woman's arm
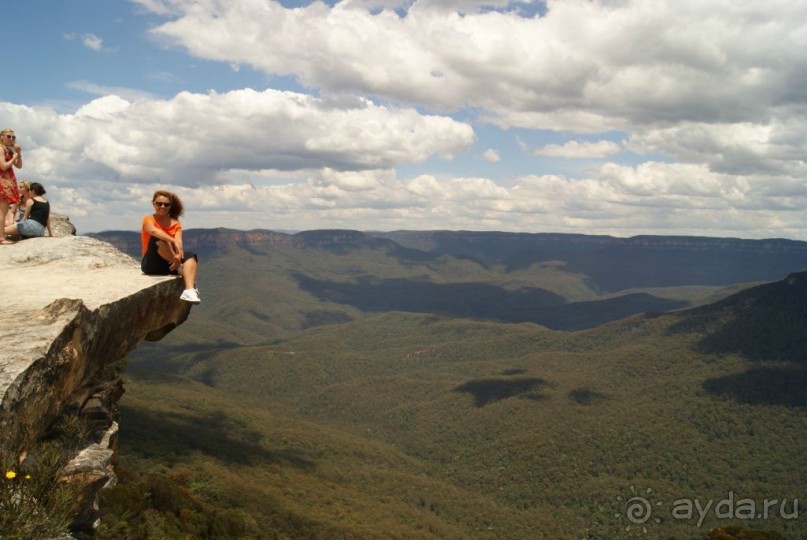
50 231
151 227
5 165
18 160
28 205
176 258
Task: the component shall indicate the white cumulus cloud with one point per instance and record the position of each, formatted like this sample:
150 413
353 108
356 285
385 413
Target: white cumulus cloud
492 156
709 100
92 42
196 139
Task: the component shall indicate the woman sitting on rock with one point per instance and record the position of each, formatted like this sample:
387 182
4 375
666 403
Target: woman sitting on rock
35 217
161 242
17 210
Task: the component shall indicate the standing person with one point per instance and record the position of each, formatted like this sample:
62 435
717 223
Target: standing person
12 157
36 216
161 242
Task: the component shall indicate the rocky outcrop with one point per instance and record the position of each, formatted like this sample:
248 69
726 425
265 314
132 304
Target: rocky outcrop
74 306
60 225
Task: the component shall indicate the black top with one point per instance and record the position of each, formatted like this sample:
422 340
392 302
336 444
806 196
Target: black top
40 212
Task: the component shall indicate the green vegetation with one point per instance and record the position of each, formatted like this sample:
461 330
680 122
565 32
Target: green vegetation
738 533
36 500
275 413
163 506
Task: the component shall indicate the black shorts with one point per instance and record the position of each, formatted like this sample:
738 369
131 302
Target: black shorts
155 265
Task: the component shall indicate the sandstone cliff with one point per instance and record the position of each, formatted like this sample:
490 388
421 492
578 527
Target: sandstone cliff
73 306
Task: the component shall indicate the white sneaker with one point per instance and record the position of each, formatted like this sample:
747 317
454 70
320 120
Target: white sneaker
190 295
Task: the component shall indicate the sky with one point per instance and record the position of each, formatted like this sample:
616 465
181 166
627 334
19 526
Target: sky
619 117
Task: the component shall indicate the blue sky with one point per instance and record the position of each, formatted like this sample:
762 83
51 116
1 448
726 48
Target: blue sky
584 116
68 44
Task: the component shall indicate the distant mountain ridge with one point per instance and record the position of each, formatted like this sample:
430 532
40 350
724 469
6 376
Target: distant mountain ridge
766 324
615 264
498 240
210 239
488 245
611 264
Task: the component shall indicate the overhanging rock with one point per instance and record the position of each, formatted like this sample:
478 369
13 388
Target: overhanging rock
73 306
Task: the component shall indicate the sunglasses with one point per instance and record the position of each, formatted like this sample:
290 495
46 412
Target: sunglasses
14 137
166 204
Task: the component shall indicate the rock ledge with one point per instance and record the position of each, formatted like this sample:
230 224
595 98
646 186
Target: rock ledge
73 307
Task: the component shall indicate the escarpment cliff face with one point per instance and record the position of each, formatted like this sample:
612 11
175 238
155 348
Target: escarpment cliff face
213 240
74 306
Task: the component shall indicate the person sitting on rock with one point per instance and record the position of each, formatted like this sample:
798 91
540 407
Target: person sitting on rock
17 210
36 216
161 242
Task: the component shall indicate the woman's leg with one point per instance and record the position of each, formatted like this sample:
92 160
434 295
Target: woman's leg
10 230
189 273
164 250
4 211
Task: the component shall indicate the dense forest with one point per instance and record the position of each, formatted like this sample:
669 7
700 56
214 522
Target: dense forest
336 384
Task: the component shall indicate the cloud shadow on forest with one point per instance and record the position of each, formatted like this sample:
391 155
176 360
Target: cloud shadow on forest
487 391
482 300
764 386
172 436
585 396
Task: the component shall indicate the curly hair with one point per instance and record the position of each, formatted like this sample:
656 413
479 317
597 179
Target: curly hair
176 208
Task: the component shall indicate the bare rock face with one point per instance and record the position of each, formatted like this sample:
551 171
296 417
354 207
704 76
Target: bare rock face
73 307
61 226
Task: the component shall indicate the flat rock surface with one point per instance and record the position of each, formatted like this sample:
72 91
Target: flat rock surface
38 271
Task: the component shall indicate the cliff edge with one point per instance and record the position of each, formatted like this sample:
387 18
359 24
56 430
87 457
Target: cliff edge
73 307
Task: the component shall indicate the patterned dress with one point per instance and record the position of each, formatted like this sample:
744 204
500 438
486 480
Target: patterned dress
9 192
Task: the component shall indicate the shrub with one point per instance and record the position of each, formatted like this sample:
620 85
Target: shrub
34 501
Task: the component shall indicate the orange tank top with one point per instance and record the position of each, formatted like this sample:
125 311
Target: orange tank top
145 236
